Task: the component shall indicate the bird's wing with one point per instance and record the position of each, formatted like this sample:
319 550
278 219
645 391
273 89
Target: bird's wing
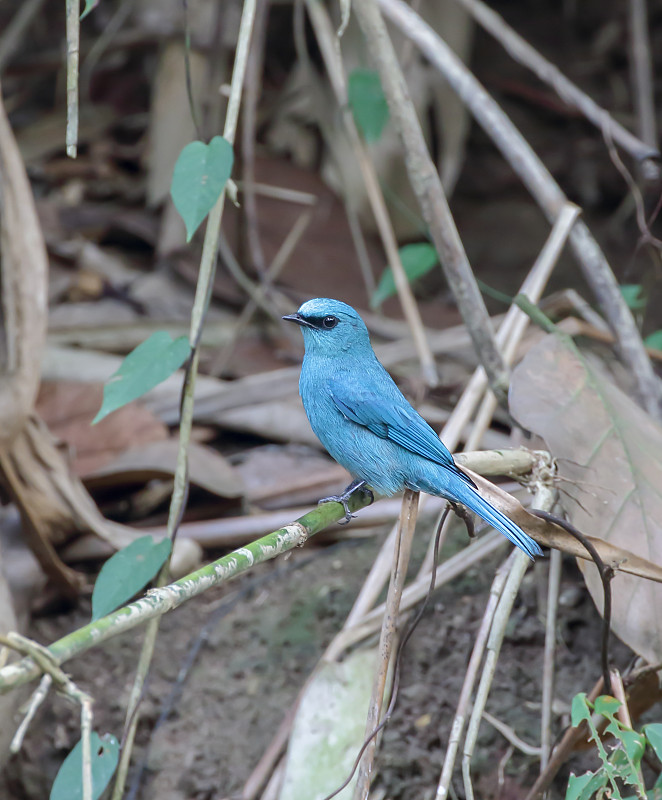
390 417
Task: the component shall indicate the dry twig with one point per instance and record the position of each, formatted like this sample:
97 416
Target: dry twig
545 190
520 50
406 527
330 50
427 186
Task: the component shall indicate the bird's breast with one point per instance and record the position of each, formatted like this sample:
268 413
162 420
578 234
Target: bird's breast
377 461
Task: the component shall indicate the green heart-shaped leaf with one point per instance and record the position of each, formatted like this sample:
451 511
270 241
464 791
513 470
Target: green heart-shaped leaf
200 174
144 368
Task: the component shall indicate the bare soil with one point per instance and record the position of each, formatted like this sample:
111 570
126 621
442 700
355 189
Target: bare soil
261 637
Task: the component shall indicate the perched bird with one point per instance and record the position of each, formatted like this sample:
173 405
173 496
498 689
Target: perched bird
368 426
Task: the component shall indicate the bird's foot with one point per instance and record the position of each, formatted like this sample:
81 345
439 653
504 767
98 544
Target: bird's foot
354 486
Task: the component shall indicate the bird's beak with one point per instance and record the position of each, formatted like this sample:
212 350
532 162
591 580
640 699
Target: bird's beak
299 320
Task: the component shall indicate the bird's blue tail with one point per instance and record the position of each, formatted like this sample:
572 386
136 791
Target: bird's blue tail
470 498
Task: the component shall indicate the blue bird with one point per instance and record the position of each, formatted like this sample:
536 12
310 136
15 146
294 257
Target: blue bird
367 424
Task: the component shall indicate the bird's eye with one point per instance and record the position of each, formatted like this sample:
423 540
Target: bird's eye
329 322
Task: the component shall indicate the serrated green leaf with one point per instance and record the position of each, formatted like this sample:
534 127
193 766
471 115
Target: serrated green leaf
584 787
68 784
368 104
634 744
606 705
90 5
633 296
580 709
417 260
653 734
144 368
126 573
626 761
200 174
654 340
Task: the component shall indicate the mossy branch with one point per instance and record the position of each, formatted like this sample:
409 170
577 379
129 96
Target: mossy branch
157 602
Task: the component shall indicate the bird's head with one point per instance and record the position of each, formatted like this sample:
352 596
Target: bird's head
329 326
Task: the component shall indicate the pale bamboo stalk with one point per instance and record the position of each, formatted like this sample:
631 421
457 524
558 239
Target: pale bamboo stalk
521 51
544 499
329 47
554 580
407 525
426 183
459 720
547 193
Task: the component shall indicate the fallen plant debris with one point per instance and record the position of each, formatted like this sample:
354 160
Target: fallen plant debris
352 170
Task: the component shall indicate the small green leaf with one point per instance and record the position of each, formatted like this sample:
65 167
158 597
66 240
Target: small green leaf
90 5
417 260
606 705
368 104
633 296
654 340
580 709
653 733
126 573
584 787
68 784
201 172
144 368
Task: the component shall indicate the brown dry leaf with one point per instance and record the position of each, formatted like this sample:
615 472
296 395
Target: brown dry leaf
278 476
550 535
68 409
610 464
207 468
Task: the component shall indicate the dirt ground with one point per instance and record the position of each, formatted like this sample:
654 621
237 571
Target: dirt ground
261 637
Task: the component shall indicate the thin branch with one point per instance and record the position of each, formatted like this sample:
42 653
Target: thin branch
460 718
330 50
522 52
198 313
606 574
544 496
545 190
411 627
401 555
38 697
162 600
509 734
494 642
427 186
286 249
248 134
43 657
554 581
642 73
73 54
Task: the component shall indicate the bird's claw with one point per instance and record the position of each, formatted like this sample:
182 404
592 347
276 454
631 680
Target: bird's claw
354 486
342 499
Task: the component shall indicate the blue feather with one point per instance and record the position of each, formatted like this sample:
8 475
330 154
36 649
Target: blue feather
367 424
